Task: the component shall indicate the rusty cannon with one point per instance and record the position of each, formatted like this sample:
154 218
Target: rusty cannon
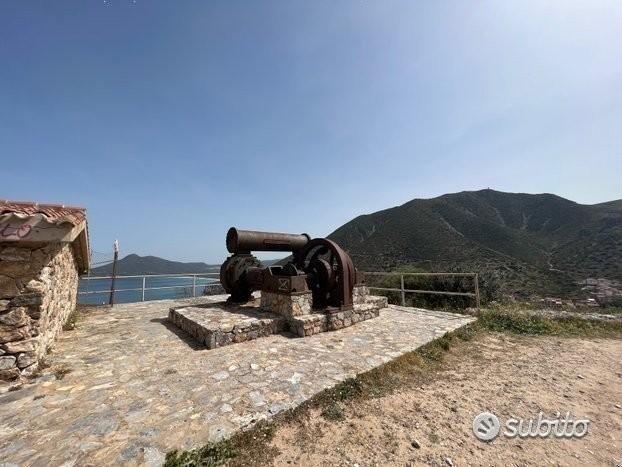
316 289
318 266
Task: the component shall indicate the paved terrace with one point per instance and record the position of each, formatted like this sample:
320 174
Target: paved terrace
137 387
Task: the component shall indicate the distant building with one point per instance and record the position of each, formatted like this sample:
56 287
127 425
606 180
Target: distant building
552 302
585 302
602 291
43 249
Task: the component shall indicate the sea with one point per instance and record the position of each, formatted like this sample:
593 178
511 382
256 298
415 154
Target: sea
178 287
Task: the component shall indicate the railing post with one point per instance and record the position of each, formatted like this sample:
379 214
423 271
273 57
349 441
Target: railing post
114 272
143 290
477 291
194 285
402 287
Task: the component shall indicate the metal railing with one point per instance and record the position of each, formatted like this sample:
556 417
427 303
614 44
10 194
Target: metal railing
144 287
403 290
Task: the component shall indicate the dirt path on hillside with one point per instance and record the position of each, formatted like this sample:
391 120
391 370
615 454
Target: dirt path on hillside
508 376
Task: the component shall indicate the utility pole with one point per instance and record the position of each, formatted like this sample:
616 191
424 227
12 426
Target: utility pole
114 271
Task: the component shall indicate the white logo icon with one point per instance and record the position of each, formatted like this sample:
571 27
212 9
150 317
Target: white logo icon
486 426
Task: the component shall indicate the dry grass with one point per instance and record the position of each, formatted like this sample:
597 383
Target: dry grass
72 320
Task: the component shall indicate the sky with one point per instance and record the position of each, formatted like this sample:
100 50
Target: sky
172 121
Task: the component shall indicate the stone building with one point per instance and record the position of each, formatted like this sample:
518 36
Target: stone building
43 249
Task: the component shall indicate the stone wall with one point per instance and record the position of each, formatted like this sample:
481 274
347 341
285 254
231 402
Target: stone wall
38 288
360 294
288 305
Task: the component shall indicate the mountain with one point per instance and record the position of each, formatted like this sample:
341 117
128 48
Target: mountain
136 265
535 243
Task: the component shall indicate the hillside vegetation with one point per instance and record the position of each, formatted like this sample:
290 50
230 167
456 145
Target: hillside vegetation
136 265
532 243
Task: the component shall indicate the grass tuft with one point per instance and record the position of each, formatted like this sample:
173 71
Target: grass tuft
243 448
348 389
334 412
212 454
521 322
61 371
72 320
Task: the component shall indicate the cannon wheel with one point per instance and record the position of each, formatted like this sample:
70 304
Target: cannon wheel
332 279
233 276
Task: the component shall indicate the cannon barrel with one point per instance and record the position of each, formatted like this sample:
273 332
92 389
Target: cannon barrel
245 241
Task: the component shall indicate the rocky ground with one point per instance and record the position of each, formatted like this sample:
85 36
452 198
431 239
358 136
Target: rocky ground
506 375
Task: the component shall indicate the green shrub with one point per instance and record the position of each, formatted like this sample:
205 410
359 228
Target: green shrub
334 412
489 288
212 454
523 322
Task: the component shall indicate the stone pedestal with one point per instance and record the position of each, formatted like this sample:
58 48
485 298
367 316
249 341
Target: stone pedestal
304 321
288 305
218 324
360 294
317 322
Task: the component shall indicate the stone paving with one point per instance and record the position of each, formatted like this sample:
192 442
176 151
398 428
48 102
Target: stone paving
136 386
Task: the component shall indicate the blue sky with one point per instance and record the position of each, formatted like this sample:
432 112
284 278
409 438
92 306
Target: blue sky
171 121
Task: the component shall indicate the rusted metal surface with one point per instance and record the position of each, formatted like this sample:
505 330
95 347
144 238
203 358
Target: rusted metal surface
331 280
318 265
245 241
238 276
275 281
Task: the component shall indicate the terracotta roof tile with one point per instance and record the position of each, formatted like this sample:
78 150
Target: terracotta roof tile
57 214
53 213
